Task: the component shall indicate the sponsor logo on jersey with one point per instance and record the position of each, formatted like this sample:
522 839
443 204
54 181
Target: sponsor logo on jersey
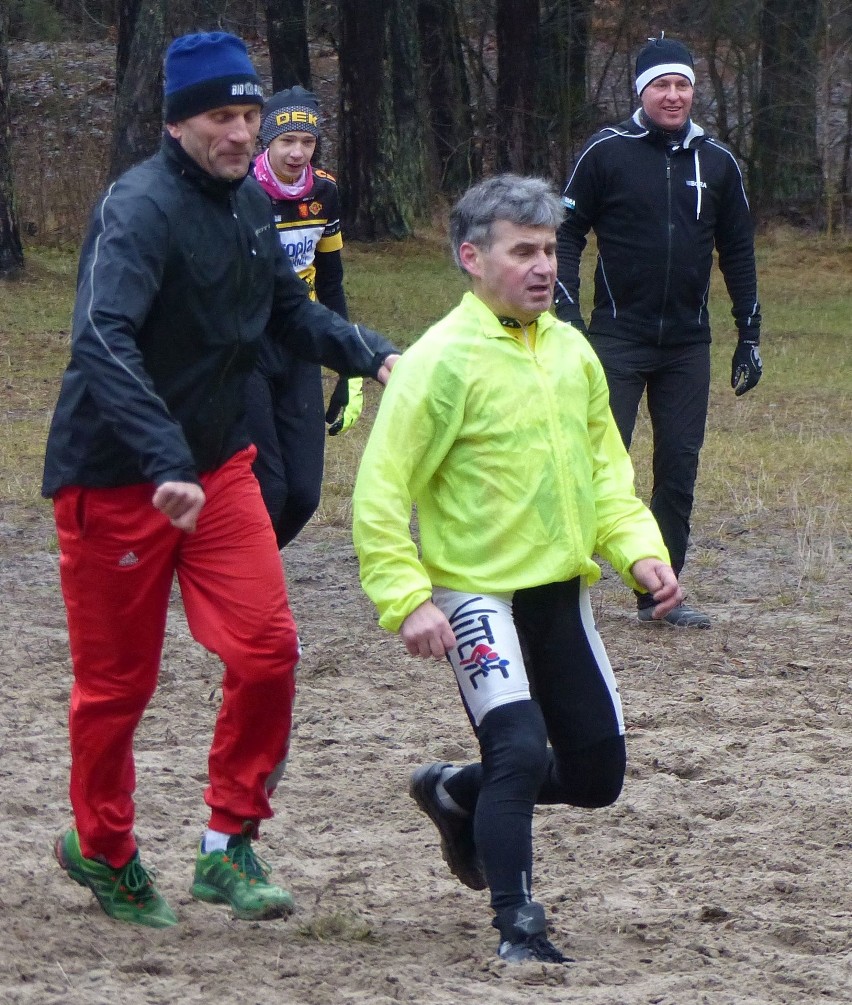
301 253
303 210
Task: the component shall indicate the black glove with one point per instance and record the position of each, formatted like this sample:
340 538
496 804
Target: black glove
746 366
338 401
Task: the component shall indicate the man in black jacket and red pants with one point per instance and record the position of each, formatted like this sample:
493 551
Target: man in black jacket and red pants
660 195
149 465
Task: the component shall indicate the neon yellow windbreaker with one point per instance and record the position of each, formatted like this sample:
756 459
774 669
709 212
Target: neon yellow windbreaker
512 459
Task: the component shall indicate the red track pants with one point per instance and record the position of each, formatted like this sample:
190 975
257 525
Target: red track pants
118 557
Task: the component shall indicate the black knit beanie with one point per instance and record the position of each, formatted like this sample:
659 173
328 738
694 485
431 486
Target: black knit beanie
292 111
661 56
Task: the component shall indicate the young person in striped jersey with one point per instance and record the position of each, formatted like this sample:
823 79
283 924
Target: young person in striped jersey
285 408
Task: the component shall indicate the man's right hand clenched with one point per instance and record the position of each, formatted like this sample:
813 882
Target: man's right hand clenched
181 502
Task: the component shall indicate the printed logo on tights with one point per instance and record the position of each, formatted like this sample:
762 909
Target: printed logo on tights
131 558
472 628
481 661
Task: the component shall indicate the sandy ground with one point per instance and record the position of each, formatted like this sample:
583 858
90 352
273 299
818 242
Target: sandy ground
721 876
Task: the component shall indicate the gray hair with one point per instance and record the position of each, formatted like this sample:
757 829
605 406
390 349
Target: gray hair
527 202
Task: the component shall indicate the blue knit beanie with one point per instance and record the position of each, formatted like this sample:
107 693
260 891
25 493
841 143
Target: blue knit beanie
660 57
208 70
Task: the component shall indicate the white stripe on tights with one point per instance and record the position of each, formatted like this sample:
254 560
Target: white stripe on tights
597 647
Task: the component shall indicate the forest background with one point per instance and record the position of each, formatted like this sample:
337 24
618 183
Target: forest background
422 98
721 877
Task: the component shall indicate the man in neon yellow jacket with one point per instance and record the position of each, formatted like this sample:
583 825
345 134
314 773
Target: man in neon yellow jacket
496 427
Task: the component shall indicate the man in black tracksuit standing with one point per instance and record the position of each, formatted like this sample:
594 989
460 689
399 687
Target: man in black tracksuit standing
660 194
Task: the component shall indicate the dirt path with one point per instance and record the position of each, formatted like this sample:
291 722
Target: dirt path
721 876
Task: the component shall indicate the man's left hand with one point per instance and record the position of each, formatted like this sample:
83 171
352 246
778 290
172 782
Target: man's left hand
746 366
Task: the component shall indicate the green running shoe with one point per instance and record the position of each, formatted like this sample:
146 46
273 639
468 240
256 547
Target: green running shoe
126 894
236 876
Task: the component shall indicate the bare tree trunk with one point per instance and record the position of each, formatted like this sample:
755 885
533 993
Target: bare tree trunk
184 16
517 23
126 12
287 38
138 123
383 179
788 178
732 49
448 90
843 184
565 119
11 250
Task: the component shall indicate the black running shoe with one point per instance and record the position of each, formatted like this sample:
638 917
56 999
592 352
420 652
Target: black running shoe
457 844
523 936
682 616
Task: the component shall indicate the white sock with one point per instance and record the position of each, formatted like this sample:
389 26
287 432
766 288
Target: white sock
215 840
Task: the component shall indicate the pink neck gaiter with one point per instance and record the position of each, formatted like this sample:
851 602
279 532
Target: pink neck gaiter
277 189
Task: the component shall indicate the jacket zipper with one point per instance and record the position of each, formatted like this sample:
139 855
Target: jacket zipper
668 246
530 350
232 205
564 490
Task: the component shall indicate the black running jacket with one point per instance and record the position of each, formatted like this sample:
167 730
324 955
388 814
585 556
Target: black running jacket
180 274
658 210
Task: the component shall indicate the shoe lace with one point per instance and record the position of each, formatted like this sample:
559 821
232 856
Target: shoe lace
545 950
136 882
247 862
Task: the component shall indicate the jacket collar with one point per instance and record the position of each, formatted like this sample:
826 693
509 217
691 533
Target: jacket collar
689 136
180 162
492 326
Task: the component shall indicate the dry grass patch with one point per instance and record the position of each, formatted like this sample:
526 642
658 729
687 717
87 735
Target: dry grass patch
776 460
